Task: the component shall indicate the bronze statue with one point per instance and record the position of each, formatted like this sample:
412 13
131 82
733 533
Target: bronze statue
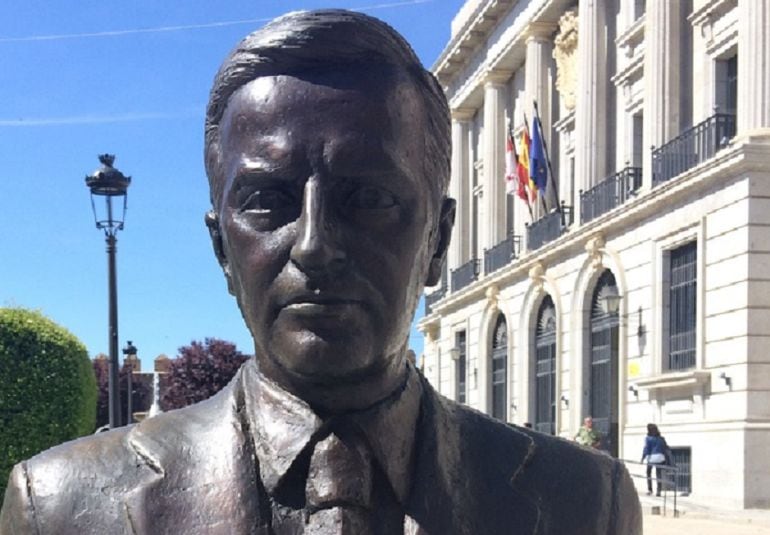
327 151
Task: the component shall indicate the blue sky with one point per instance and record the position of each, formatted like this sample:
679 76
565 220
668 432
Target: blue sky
131 78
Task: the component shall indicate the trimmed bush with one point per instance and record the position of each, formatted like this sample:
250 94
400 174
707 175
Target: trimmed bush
47 387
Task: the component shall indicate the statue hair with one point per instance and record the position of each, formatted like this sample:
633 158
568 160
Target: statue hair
303 41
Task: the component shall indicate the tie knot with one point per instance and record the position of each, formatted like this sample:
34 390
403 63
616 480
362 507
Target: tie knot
340 471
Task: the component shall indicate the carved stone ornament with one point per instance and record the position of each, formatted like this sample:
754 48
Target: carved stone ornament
430 331
492 296
565 54
595 250
537 274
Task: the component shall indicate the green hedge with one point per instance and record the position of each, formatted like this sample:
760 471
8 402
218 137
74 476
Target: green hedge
47 387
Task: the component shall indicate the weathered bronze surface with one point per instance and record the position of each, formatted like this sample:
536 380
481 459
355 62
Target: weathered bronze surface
327 150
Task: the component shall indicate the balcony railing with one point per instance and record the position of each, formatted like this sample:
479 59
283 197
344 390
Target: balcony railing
501 254
465 274
693 146
609 193
548 227
432 298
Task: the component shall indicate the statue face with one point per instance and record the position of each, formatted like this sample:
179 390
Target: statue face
326 219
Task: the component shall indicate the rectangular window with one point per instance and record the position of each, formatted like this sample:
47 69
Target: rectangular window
461 367
640 6
682 458
638 141
726 80
682 300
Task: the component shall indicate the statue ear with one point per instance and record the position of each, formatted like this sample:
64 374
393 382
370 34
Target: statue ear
212 223
445 224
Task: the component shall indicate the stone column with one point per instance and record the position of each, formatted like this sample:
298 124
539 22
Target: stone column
662 37
539 84
495 93
459 188
591 97
754 68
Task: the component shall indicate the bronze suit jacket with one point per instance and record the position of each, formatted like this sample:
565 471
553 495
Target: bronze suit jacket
194 471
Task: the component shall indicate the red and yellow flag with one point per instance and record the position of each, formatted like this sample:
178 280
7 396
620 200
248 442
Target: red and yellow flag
522 168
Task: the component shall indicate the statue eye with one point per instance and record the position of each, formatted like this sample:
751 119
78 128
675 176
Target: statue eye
371 198
268 200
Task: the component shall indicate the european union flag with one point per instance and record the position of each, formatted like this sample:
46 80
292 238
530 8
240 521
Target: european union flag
538 166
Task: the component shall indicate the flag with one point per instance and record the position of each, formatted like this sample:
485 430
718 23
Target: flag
522 169
538 167
510 165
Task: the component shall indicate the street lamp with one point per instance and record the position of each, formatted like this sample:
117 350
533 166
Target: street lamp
108 186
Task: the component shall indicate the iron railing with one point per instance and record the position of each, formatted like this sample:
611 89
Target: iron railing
609 193
692 147
549 227
502 254
465 274
668 480
432 298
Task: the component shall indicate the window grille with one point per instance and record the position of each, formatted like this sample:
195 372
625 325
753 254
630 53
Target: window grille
682 307
460 384
682 458
499 368
603 388
545 368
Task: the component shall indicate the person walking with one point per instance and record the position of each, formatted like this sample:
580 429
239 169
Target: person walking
656 453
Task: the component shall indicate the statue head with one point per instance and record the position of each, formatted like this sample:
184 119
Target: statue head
327 152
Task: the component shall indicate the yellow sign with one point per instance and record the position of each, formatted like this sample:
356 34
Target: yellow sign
634 369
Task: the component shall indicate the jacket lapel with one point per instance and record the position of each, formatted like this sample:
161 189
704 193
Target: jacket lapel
201 471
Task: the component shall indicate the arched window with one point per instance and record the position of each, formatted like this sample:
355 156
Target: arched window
499 368
603 376
545 368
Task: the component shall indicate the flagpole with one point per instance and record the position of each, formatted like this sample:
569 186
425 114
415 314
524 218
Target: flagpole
554 181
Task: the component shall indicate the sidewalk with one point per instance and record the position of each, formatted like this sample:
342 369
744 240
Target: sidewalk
668 525
695 519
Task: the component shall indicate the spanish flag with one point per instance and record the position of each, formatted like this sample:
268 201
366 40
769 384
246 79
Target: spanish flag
522 169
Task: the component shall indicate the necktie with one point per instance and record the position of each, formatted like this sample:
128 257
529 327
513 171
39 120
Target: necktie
345 490
338 491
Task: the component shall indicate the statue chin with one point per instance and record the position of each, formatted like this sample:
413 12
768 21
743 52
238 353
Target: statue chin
310 356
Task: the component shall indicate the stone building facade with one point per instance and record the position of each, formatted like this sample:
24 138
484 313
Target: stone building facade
656 116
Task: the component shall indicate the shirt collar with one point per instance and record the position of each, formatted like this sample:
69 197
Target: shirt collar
277 417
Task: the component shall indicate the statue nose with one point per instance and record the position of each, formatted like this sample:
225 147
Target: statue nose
317 249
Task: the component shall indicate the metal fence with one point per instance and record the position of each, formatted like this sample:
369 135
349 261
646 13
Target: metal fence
693 146
465 274
501 254
548 227
669 475
609 193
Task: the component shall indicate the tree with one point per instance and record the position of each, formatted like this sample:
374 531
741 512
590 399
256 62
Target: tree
47 387
198 372
141 389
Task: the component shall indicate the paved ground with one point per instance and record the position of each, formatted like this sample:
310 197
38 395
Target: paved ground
660 525
698 520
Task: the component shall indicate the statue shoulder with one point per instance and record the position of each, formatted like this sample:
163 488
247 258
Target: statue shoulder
99 474
578 486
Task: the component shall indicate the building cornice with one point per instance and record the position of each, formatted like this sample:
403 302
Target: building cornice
744 154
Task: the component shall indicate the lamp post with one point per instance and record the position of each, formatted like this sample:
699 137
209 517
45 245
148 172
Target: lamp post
109 185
